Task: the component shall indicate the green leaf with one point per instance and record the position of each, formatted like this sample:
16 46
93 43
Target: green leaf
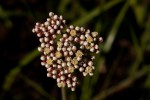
112 34
37 87
10 78
95 12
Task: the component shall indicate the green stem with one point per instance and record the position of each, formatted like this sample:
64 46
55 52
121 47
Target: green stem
63 93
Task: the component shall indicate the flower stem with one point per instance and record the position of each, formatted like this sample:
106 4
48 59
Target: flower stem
63 93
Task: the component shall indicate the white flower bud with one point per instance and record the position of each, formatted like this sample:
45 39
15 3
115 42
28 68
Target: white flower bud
66 44
59 66
69 48
47 66
96 46
61 17
48 19
68 59
97 51
64 35
88 31
40 49
69 85
74 78
54 36
37 23
74 48
51 42
93 57
49 69
78 58
61 72
54 72
59 61
55 27
85 43
54 76
87 35
51 48
70 38
92 49
68 81
58 22
54 58
47 57
64 49
71 27
64 21
76 66
101 39
81 69
49 27
55 17
58 80
76 39
51 30
77 28
58 32
41 39
69 75
68 63
48 75
72 89
63 64
68 30
84 74
42 57
54 65
74 84
66 71
43 63
46 39
91 74
84 65
82 37
65 53
58 48
51 14
61 27
90 63
52 22
46 23
81 47
70 53
82 29
42 45
47 45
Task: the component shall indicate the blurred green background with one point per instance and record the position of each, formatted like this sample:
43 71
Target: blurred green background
122 68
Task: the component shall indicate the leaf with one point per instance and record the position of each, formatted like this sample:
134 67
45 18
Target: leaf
112 34
10 78
95 12
37 87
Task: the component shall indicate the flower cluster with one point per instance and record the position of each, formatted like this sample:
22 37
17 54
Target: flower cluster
66 49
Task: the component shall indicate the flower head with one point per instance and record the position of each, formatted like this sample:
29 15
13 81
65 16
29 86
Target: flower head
72 50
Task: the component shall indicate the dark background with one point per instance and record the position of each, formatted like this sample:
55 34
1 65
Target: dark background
122 67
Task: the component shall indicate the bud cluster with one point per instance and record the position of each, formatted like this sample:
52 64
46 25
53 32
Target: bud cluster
66 49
